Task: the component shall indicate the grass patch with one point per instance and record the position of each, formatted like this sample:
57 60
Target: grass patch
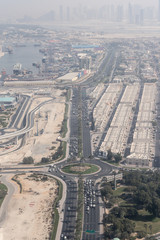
110 162
64 128
79 221
91 169
3 192
64 145
60 153
68 96
144 217
118 191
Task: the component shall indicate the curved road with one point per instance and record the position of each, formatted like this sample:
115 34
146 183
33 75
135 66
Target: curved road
11 190
29 123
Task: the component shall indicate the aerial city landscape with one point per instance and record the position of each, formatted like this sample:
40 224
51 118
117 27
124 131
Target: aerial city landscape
80 123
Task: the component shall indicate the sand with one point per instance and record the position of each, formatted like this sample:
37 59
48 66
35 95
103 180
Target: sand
29 213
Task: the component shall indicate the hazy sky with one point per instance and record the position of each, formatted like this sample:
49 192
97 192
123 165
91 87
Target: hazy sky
19 8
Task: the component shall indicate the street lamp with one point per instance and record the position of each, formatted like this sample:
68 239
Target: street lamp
115 182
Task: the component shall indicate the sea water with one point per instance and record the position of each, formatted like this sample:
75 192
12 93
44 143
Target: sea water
25 55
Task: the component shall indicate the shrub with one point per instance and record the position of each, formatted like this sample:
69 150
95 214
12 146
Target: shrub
28 160
44 160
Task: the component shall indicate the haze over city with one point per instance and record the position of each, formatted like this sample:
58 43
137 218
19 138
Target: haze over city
80 119
16 9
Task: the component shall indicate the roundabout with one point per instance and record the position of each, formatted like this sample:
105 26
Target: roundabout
81 168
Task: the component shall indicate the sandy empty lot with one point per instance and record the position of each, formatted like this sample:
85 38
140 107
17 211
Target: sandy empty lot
29 215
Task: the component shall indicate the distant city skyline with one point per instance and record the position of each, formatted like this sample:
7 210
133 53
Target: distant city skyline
35 8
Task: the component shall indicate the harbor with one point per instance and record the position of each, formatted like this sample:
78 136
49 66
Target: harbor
26 55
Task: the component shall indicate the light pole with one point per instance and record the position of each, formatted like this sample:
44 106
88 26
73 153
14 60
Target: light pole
115 182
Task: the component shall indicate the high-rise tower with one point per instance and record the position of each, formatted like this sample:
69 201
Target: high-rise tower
130 13
68 14
61 13
159 10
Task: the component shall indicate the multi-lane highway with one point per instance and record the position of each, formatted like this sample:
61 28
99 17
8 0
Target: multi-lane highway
79 111
79 127
91 224
91 228
15 118
70 210
86 139
74 123
70 207
29 123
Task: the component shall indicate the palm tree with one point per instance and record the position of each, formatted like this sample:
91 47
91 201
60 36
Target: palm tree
146 227
150 228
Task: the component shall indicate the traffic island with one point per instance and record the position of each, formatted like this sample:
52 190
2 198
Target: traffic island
81 168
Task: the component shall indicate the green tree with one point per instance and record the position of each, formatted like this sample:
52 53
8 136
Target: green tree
106 191
125 235
109 154
156 207
142 197
150 228
117 157
44 160
28 160
146 228
131 213
141 234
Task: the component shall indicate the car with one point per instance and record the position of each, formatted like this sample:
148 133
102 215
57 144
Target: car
62 235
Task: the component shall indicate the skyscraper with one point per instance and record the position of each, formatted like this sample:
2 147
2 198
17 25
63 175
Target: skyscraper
159 10
61 13
119 13
68 14
130 13
141 16
112 13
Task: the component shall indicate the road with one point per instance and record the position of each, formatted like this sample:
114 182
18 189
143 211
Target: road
3 209
69 224
70 207
78 115
29 123
91 227
86 139
14 117
74 123
91 219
